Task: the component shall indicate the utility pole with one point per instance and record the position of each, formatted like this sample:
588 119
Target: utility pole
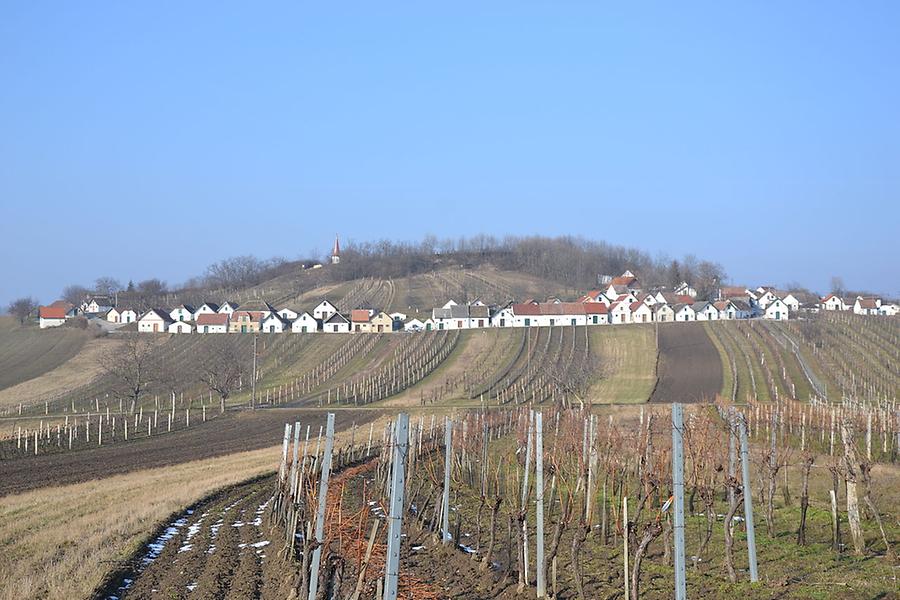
395 518
253 379
678 488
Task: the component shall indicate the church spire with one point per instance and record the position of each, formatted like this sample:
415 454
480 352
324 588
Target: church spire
336 251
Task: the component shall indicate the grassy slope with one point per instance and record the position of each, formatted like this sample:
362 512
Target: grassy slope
28 352
725 353
627 356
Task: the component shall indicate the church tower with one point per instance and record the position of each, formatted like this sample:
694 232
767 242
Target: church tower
336 251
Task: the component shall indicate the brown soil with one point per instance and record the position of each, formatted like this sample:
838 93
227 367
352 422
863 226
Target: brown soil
690 368
244 430
222 547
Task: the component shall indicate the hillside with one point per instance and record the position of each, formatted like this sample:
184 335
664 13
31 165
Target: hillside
27 352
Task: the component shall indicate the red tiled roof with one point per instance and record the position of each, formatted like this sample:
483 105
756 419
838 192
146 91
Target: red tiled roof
684 299
255 315
867 303
212 319
62 304
52 312
527 309
733 290
595 308
621 280
635 305
359 315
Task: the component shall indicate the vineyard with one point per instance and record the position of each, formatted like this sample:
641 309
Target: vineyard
826 357
565 503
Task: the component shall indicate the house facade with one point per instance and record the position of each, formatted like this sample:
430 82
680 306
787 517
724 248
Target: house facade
641 313
180 327
245 321
776 310
663 313
51 316
833 302
684 313
207 308
184 312
305 323
212 323
381 323
273 323
129 315
866 305
336 323
228 308
155 320
324 310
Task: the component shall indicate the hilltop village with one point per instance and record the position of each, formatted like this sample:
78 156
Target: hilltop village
619 301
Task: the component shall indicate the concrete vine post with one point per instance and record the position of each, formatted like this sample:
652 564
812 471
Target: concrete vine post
748 501
395 518
320 507
539 496
445 505
678 488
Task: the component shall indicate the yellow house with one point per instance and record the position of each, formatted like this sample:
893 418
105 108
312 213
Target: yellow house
381 323
245 321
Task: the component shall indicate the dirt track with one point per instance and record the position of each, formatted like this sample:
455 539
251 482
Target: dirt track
219 548
231 433
690 368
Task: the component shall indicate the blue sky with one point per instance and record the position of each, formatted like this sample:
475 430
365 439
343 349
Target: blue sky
150 139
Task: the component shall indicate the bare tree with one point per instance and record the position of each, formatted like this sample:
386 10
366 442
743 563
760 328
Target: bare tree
837 285
22 308
132 367
75 294
151 287
222 367
107 285
240 271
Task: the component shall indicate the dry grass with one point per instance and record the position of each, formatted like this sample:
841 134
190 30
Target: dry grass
627 355
60 542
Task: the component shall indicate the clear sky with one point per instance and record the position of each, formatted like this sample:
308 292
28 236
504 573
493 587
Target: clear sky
149 139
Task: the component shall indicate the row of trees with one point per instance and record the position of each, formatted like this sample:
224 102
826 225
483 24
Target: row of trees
573 261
